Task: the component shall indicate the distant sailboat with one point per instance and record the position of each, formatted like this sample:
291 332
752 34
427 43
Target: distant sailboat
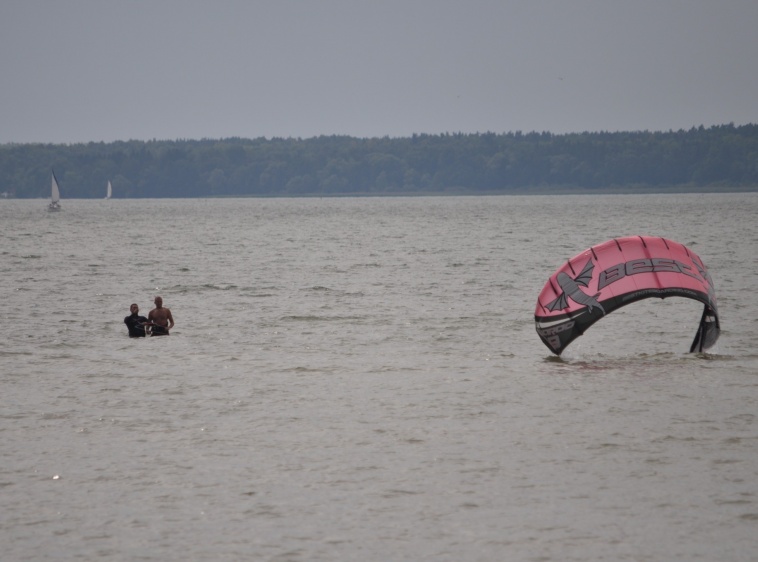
55 204
109 192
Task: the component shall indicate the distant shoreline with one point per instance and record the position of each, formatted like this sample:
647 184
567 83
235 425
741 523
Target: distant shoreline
718 159
546 191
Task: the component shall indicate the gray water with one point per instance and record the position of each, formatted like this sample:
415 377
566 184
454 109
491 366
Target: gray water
360 379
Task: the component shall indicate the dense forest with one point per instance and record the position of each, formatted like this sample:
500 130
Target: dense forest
720 157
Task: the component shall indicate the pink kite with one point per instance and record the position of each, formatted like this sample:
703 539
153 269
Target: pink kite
620 272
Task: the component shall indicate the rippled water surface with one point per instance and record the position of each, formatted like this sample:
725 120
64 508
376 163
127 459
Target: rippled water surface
360 379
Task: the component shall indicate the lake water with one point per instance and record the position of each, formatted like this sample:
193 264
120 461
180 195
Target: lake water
360 379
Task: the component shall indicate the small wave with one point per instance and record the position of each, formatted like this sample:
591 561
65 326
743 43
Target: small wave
314 318
12 353
399 493
56 416
192 289
218 287
365 265
302 370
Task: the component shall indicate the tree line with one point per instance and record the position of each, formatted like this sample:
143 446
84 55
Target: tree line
719 157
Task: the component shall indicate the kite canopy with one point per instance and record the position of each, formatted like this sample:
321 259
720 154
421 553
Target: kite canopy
619 272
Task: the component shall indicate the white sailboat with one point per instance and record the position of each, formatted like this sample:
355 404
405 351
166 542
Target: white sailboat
109 191
55 204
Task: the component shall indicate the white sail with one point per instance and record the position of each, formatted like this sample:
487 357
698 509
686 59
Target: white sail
56 191
55 196
109 191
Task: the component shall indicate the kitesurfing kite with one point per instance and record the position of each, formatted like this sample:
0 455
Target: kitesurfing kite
619 272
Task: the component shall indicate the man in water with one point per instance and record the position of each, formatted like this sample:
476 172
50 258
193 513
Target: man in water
134 323
161 318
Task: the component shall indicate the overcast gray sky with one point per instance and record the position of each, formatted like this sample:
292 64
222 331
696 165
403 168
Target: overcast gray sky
103 70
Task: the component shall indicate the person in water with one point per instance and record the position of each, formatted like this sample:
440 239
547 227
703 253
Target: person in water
161 318
135 323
